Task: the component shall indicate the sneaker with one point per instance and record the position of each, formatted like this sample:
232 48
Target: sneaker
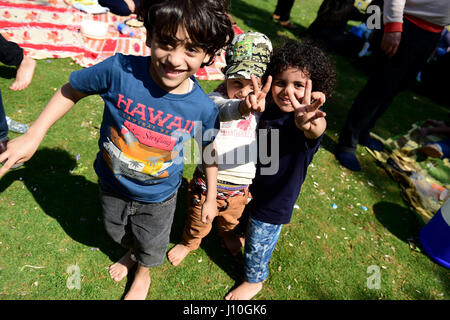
371 143
3 146
432 151
15 126
348 160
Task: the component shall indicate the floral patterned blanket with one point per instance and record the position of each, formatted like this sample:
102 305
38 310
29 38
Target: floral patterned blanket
51 29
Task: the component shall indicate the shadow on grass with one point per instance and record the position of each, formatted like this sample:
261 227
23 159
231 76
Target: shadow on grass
259 19
400 221
70 199
211 244
405 225
8 72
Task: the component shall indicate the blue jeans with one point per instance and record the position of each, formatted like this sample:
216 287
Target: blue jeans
3 124
260 240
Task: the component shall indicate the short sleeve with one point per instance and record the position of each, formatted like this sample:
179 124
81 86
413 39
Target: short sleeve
210 127
95 79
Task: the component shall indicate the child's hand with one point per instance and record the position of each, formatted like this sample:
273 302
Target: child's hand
435 123
18 151
209 211
256 100
307 113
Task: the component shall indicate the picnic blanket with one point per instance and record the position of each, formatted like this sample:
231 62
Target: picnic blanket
51 29
425 182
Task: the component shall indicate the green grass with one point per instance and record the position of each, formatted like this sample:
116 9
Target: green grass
50 210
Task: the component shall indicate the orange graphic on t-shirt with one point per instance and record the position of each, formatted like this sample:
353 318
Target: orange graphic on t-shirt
138 150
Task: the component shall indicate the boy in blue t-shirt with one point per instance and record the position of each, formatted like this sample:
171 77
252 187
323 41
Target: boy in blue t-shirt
152 106
293 121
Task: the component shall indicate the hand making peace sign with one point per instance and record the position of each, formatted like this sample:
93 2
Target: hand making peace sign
306 113
256 100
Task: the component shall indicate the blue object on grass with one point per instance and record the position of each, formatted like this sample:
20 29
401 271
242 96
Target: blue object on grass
435 236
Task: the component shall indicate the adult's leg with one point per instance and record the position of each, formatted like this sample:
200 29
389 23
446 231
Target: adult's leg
384 83
283 9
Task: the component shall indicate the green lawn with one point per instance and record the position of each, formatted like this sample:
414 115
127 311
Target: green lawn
51 217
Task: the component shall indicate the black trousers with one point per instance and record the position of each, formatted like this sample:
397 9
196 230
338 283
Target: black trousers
387 78
118 7
283 9
10 53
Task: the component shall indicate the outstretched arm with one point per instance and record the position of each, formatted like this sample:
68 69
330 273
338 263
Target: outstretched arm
439 127
22 148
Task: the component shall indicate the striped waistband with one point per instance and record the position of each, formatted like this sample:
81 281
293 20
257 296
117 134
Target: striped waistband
224 189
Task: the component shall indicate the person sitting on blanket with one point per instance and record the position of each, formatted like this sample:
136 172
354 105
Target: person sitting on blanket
120 7
439 149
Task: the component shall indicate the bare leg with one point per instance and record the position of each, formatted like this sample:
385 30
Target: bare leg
141 284
24 75
177 254
120 269
233 242
245 291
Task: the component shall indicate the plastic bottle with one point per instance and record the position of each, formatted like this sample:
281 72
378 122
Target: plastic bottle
123 28
441 192
16 126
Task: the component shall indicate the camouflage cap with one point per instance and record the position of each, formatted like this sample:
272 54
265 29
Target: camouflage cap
248 54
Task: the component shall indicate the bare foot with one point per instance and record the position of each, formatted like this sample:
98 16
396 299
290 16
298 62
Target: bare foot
24 74
141 284
232 242
177 254
131 5
120 269
287 25
245 291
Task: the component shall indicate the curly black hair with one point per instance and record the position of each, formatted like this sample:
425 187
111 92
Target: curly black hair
308 58
207 23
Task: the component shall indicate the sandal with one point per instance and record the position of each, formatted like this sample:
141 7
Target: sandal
275 17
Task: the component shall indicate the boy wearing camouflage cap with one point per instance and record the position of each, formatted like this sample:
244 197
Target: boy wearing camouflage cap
240 99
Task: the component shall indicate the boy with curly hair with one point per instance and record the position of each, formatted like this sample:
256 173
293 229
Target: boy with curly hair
295 119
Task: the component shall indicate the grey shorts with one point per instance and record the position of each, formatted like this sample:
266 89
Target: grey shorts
144 228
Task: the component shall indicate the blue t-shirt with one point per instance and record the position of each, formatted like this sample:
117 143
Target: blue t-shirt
274 195
144 128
